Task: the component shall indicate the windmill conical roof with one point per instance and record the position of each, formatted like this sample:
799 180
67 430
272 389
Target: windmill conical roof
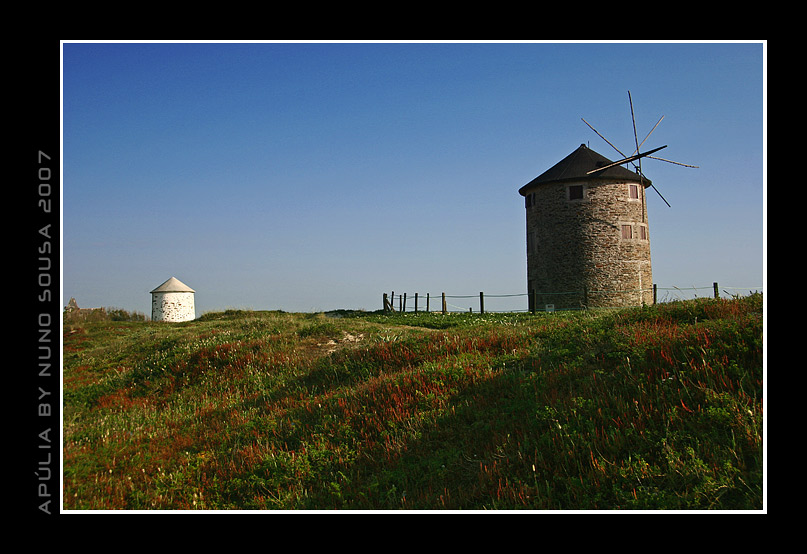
575 167
173 285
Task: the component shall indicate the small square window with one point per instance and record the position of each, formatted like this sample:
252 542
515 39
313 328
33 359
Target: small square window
576 192
642 232
627 232
634 192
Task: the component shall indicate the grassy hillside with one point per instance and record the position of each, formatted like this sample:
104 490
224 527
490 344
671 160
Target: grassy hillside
647 408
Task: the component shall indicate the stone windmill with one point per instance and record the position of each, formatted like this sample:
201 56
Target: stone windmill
588 238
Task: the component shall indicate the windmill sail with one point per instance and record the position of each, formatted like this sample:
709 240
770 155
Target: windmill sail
627 160
636 156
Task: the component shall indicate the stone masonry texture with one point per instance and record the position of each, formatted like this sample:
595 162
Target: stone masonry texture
588 244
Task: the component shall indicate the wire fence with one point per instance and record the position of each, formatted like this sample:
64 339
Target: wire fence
521 302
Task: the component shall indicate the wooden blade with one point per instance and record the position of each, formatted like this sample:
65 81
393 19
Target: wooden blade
651 132
626 160
665 200
602 137
635 137
672 162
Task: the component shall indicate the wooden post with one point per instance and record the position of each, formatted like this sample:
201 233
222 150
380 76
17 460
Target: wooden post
717 293
385 303
444 303
400 302
416 302
532 300
481 302
403 306
427 302
655 293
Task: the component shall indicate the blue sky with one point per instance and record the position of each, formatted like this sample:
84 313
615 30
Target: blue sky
317 176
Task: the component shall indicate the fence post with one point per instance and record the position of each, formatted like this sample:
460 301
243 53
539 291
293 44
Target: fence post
416 302
444 303
427 302
717 294
655 293
481 302
403 306
531 301
385 303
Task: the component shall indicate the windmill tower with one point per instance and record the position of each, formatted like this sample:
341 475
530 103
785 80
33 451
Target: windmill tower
588 238
173 301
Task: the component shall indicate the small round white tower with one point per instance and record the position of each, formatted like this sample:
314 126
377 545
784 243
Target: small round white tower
173 301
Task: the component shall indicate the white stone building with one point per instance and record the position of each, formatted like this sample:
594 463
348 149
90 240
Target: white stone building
173 301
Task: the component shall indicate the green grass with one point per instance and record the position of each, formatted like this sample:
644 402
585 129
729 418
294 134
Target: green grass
647 408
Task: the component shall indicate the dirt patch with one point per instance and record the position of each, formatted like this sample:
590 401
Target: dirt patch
347 339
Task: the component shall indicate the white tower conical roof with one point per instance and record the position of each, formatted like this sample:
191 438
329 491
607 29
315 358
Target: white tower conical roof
173 285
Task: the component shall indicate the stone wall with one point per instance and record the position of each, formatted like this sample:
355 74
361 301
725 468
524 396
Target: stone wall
172 306
588 245
73 313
